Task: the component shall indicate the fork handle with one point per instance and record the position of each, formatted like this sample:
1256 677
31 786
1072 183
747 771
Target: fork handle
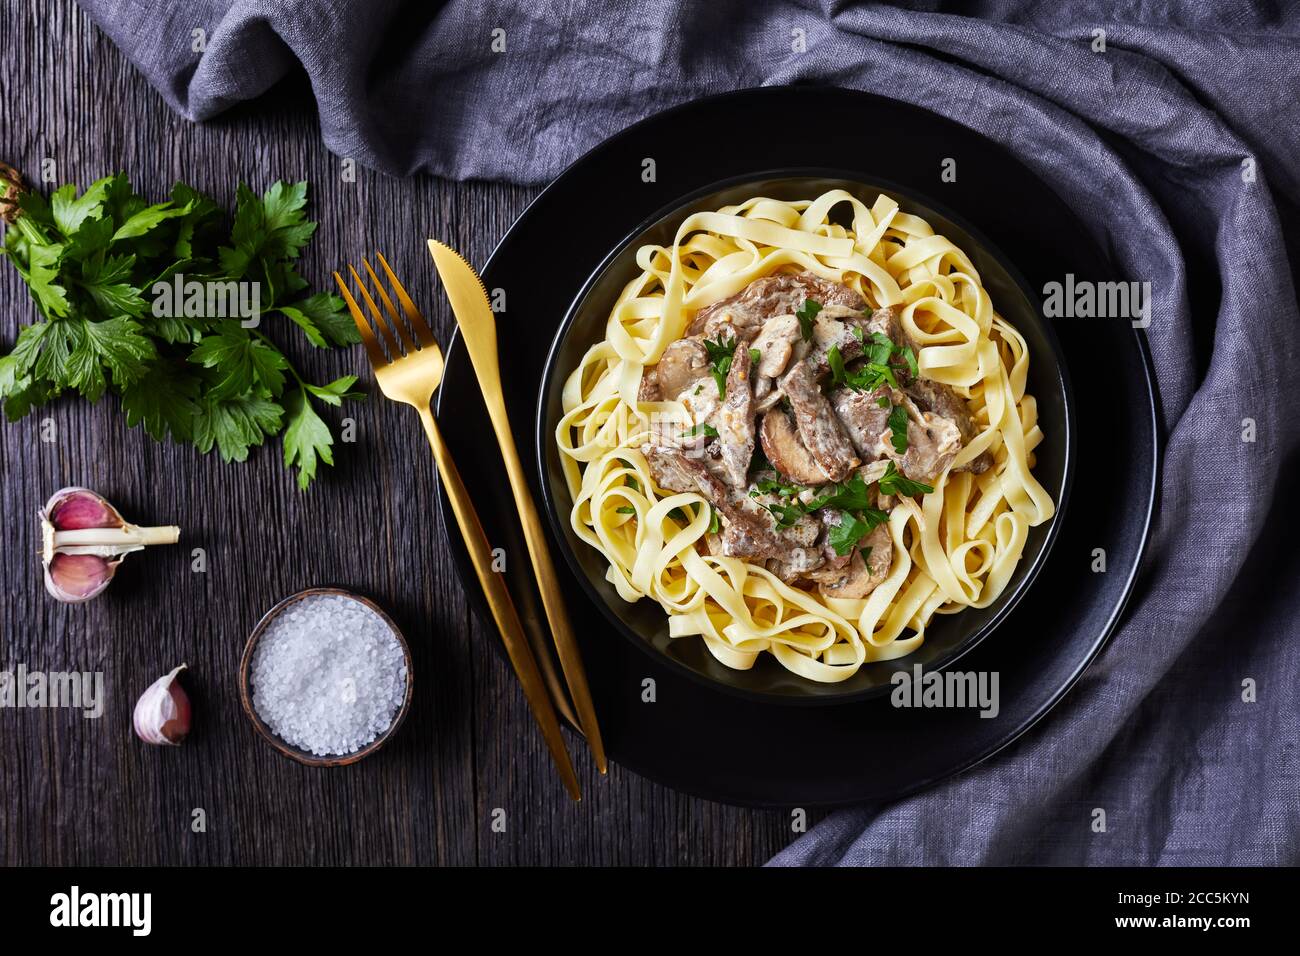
501 604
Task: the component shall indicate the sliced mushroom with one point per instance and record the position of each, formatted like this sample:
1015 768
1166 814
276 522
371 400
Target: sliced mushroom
786 452
775 344
683 363
861 577
932 443
940 399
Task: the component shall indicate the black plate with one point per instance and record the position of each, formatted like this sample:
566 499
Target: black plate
719 746
948 636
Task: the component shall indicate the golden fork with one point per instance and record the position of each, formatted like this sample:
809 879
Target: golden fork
478 329
411 376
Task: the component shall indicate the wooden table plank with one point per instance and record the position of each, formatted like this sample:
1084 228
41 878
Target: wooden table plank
77 791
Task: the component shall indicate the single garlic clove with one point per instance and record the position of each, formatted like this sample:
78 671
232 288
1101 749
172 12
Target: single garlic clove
73 578
71 509
162 714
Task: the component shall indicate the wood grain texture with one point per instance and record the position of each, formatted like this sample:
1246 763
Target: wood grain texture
78 791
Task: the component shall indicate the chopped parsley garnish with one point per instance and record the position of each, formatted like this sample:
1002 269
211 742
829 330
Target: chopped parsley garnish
866 553
910 358
633 483
865 379
770 486
892 483
714 524
626 510
857 333
677 514
720 353
755 355
898 428
703 428
849 496
807 314
844 537
883 401
787 516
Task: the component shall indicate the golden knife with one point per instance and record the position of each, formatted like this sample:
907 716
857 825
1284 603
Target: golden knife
469 303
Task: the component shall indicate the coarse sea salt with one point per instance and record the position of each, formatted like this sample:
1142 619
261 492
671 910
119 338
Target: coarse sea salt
328 675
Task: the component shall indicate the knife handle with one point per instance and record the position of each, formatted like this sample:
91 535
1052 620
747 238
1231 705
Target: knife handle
548 583
501 605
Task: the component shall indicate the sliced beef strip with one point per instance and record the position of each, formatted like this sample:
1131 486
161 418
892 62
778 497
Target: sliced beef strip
745 312
940 399
734 420
786 452
678 469
750 530
819 429
889 322
864 420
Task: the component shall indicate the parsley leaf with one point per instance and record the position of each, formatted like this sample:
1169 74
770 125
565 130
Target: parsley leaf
703 428
240 362
720 352
714 524
844 537
893 483
851 495
770 486
868 377
910 358
807 315
787 516
898 428
235 425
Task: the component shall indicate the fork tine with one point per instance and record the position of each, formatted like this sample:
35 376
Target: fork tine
412 313
384 331
396 321
376 354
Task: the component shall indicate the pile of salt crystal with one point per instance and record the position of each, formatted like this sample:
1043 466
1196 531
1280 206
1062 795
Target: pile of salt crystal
328 675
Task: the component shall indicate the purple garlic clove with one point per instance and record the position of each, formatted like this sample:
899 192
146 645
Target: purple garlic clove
162 714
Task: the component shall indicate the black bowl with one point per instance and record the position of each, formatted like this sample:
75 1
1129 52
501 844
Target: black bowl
949 636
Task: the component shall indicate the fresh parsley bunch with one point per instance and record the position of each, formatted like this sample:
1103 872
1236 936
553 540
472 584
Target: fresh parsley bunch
91 262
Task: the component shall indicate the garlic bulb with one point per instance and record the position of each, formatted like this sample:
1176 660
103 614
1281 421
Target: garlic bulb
162 714
84 539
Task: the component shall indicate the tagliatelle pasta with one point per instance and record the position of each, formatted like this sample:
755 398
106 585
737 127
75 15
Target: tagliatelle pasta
953 548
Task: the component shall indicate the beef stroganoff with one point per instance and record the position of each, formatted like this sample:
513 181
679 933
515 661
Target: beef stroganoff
804 438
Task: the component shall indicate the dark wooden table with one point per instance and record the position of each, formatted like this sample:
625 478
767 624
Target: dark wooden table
79 791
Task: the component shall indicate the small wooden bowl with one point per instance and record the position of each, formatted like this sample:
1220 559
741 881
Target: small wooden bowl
303 756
